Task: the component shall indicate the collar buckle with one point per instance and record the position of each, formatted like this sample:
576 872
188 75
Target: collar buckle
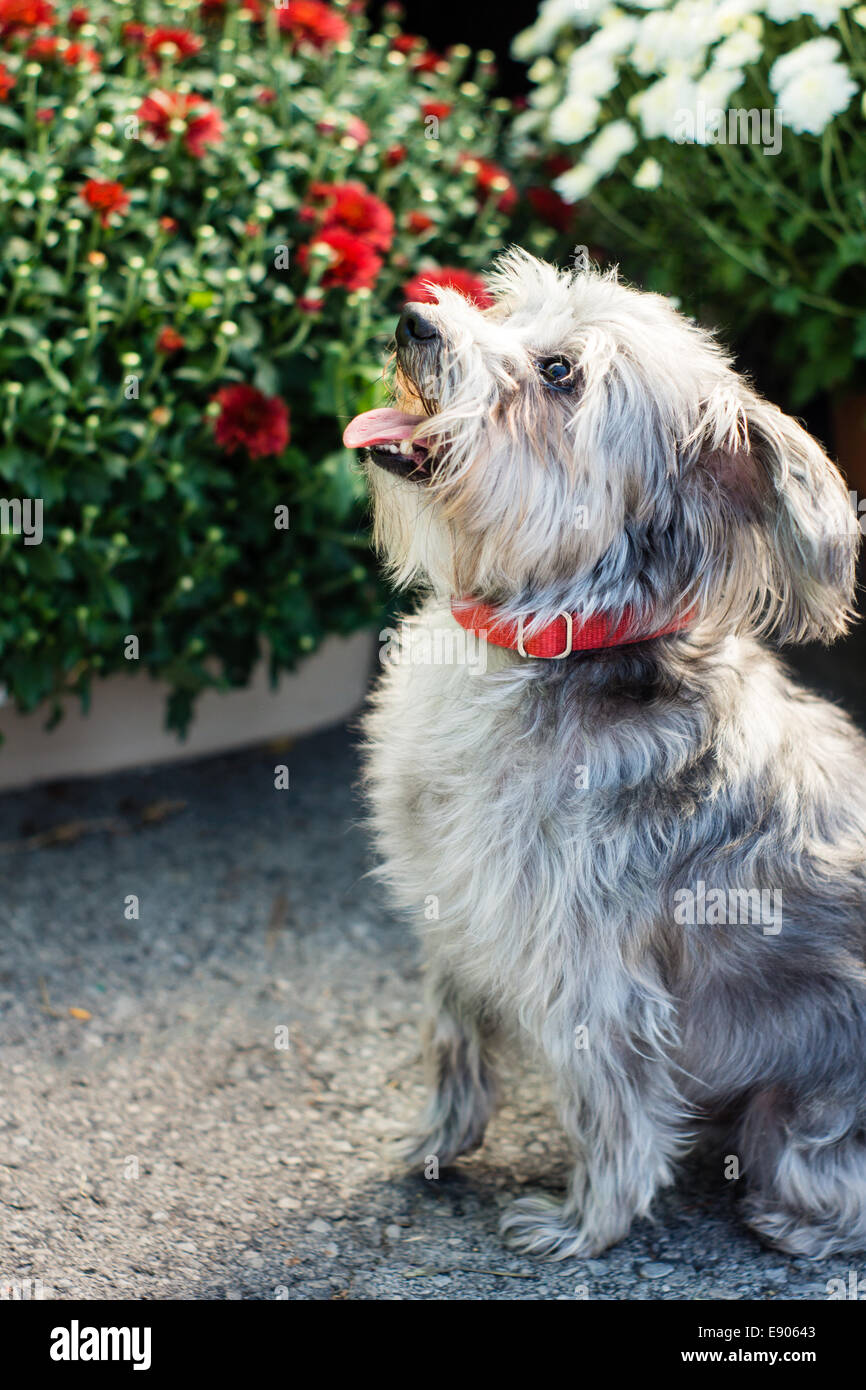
569 637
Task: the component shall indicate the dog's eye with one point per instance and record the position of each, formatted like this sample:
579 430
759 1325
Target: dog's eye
555 372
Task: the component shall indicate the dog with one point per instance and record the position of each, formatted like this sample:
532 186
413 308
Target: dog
632 841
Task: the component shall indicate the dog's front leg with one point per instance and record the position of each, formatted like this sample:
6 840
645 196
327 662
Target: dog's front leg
627 1125
457 1050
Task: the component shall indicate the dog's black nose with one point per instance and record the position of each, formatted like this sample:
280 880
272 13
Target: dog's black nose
412 327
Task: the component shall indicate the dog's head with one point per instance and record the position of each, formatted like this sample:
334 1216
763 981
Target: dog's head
582 446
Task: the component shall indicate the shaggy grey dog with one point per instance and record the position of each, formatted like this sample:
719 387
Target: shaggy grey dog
645 859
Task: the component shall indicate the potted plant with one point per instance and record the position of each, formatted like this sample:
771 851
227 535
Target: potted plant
209 213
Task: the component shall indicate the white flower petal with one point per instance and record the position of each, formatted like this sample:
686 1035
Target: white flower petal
813 53
649 175
813 97
575 183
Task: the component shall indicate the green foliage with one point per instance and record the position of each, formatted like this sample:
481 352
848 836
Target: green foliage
150 526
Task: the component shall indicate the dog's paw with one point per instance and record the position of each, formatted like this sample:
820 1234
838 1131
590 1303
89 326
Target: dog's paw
434 1149
541 1226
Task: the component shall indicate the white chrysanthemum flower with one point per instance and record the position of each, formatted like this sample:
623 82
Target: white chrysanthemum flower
824 12
717 86
554 16
813 97
575 183
599 159
546 97
649 175
661 106
609 146
574 119
669 35
813 53
542 70
593 77
783 10
738 51
727 16
528 44
526 122
615 34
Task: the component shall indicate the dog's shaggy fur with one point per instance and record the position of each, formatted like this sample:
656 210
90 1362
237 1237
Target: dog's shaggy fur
704 763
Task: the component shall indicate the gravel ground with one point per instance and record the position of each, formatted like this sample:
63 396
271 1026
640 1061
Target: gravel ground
163 1146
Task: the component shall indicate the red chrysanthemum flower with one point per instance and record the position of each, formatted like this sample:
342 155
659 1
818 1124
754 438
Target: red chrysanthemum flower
471 286
43 49
418 222
48 49
349 205
439 109
266 96
421 58
75 53
168 224
428 61
491 180
354 263
133 33
106 198
394 155
250 420
45 115
170 340
202 123
78 17
183 43
556 164
7 82
16 16
312 22
550 207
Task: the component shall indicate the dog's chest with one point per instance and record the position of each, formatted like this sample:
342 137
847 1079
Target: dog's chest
489 831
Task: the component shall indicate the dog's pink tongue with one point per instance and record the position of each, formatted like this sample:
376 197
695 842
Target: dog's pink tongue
384 426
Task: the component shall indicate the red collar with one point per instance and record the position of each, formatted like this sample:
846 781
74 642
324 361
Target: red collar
566 634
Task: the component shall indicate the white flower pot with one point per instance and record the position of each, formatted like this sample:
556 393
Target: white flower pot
126 723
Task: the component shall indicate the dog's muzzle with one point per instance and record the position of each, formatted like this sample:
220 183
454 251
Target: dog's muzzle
391 437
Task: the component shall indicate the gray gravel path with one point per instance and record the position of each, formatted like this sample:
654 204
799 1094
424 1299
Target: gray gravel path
164 1147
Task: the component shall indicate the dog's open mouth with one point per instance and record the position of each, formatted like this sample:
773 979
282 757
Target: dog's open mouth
387 436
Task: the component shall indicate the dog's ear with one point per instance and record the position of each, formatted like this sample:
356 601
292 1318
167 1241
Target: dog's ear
780 490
